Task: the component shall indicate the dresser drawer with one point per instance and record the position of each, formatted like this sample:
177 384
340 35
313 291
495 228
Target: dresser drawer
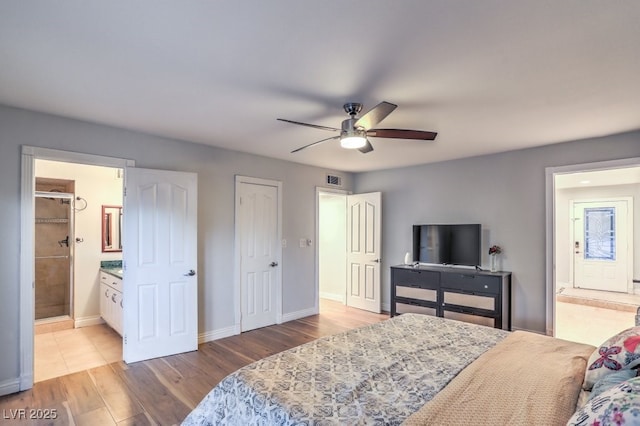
471 282
475 319
415 278
470 300
406 308
418 293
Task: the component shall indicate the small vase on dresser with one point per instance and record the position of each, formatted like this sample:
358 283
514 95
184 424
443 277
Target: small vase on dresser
493 263
494 251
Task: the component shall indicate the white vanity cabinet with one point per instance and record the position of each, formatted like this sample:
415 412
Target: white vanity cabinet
111 300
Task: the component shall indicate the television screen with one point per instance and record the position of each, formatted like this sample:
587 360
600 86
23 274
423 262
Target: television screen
447 244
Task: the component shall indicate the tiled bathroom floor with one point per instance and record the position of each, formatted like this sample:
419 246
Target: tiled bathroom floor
58 353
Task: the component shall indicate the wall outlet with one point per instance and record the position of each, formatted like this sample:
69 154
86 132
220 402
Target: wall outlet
284 243
303 242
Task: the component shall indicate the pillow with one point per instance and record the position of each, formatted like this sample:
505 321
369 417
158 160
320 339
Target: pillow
618 352
610 380
619 405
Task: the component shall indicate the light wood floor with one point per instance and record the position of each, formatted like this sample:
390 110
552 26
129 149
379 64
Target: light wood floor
164 390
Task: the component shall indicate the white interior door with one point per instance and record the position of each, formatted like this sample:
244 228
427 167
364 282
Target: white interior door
364 224
160 297
260 254
601 245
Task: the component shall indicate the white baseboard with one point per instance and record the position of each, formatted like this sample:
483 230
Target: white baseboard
332 296
221 333
9 386
88 321
299 314
530 331
234 330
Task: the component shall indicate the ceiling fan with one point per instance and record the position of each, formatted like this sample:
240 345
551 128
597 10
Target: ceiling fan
355 131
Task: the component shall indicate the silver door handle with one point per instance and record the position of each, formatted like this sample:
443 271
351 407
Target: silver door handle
273 264
377 260
191 273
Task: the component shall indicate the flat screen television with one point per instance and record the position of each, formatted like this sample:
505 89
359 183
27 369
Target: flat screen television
447 244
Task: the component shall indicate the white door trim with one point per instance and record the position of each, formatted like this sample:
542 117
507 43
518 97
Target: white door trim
550 227
239 179
321 190
27 216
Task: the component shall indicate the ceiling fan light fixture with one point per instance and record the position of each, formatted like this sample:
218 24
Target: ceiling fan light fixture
355 132
352 138
353 142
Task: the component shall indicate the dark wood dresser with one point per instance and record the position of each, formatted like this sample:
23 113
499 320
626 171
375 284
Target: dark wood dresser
462 294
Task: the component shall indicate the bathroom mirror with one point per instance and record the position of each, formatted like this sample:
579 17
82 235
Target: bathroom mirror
111 228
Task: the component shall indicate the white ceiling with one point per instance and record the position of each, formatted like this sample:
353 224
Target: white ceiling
487 75
611 177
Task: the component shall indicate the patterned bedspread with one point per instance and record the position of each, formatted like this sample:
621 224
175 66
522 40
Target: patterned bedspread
378 374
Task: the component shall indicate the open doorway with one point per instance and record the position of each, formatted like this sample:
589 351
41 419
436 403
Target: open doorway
70 334
596 217
349 228
28 251
162 222
332 245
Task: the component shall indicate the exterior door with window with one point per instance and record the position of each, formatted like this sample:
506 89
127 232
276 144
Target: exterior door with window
601 245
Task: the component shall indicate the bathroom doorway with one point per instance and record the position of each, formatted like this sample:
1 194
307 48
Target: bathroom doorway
69 332
53 256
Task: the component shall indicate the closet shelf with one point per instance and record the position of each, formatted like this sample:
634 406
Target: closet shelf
51 220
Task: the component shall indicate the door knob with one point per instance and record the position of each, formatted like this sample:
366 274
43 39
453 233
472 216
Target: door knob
273 264
376 260
191 273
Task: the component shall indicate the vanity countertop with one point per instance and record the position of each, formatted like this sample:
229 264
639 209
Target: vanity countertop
116 272
113 267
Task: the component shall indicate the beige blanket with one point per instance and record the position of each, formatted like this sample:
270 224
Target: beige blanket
525 379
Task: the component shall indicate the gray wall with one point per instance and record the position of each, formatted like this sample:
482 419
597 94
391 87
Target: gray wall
504 192
216 169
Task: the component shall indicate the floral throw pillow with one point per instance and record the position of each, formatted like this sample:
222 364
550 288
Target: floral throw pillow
618 352
610 380
620 405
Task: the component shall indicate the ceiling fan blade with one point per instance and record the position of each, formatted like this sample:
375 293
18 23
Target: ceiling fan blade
367 148
402 134
315 143
375 115
315 126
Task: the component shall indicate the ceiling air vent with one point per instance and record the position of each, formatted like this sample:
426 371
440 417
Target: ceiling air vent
334 180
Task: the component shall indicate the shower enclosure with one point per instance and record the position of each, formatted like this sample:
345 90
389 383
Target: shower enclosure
53 254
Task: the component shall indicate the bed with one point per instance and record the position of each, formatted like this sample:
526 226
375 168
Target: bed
412 369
